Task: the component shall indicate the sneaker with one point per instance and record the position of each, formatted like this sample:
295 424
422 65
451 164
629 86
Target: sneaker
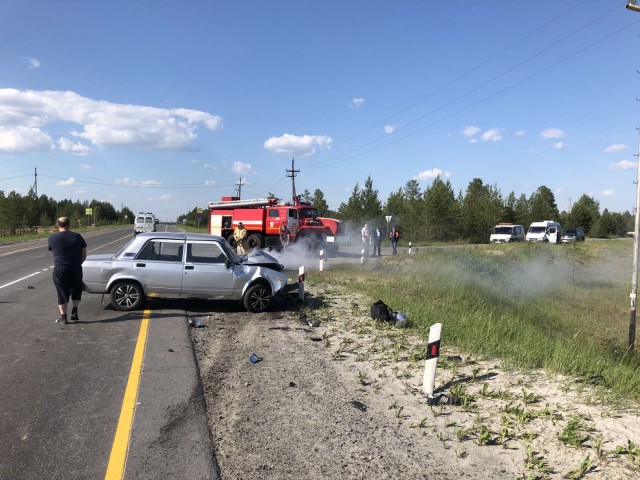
74 315
62 320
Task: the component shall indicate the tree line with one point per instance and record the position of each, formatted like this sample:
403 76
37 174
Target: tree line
438 214
25 213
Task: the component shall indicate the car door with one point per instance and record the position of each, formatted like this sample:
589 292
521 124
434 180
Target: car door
158 265
205 272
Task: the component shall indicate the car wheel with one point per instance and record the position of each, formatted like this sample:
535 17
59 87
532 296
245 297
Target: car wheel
126 296
257 298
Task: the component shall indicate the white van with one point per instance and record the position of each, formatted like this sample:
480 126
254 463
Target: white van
144 222
507 232
547 231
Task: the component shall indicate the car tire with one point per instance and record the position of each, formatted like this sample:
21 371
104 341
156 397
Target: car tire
254 241
257 298
126 296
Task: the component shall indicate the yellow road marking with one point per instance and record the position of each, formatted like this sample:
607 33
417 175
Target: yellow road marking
120 447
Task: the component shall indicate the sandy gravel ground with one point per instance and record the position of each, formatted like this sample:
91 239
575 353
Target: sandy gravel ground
343 400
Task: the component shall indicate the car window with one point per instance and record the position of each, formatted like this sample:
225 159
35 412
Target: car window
205 252
163 251
274 213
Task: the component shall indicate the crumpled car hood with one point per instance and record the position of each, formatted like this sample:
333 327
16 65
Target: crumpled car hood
262 259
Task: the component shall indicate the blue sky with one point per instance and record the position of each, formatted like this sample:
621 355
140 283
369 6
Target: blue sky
166 105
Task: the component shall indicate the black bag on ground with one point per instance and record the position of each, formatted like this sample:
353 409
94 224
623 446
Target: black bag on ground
380 311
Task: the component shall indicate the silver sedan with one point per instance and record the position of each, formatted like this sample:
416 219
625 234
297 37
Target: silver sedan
184 265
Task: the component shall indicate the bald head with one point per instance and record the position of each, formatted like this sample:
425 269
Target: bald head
63 223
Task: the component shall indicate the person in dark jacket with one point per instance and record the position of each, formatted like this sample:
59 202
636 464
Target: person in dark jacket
69 251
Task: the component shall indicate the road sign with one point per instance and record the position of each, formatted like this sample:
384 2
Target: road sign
388 217
88 211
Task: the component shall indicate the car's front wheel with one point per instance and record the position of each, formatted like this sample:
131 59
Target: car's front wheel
257 298
126 296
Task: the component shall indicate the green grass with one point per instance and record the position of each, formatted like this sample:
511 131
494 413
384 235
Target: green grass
559 307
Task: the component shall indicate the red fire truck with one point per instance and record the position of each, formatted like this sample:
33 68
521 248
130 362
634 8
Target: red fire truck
272 223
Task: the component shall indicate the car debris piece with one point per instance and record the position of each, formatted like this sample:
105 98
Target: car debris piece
359 405
196 323
254 358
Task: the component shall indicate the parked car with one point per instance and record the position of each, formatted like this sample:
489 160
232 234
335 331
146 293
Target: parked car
507 232
572 235
184 265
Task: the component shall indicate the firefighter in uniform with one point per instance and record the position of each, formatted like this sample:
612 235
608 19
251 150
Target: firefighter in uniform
240 236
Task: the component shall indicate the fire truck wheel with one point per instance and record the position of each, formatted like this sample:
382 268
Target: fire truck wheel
231 241
254 241
257 298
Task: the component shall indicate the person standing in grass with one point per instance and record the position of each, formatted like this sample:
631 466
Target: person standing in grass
365 239
69 251
394 236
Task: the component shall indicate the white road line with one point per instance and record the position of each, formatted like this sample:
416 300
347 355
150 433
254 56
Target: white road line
18 280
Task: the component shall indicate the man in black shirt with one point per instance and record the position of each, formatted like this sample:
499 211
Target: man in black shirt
69 251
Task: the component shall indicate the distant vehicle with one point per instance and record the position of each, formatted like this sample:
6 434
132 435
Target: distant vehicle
507 232
184 265
572 235
144 222
547 231
157 221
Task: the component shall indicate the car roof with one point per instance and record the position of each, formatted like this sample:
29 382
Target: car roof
179 236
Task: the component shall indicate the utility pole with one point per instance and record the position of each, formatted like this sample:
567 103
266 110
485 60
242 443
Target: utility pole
634 275
239 189
35 181
292 173
633 5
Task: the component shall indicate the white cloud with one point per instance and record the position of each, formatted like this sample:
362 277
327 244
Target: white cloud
127 182
75 148
356 102
431 174
66 183
492 135
242 168
80 191
210 183
471 131
559 145
560 190
389 129
19 139
473 140
103 123
31 63
210 165
520 133
623 165
84 167
607 193
552 133
303 146
165 197
618 147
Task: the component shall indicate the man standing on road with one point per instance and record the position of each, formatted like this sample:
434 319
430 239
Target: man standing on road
69 252
377 242
365 239
394 236
240 236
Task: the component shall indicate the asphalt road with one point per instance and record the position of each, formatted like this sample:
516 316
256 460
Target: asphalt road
62 388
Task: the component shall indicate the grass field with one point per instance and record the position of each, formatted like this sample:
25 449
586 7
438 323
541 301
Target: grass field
564 308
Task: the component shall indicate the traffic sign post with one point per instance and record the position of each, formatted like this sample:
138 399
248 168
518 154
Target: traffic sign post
388 217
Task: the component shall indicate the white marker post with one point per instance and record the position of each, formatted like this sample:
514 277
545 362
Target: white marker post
362 256
322 260
301 283
409 248
433 352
